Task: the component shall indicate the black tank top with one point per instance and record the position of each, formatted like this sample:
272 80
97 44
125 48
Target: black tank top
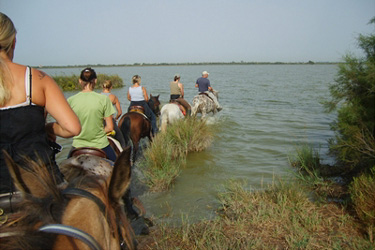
22 134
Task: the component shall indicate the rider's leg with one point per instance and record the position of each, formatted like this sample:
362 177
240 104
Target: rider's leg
186 106
119 136
154 126
152 117
111 155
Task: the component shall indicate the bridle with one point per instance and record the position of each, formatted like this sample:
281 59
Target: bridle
75 232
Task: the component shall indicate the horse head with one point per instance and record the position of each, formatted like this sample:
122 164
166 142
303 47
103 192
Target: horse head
85 213
154 104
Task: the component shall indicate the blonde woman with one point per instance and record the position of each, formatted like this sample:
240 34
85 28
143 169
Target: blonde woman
107 87
137 95
25 95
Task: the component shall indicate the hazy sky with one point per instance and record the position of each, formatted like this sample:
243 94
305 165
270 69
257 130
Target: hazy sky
77 32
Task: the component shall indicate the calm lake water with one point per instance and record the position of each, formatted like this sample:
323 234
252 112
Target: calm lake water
268 110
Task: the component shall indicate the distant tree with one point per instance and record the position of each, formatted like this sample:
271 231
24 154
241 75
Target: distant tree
353 95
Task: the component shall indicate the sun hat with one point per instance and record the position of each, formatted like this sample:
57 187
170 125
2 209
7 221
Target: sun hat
205 73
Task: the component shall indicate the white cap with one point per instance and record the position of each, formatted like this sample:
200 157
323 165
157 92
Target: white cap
205 73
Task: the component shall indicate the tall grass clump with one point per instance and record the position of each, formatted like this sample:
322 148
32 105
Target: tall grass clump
68 83
306 160
167 153
280 217
191 134
161 164
312 174
362 193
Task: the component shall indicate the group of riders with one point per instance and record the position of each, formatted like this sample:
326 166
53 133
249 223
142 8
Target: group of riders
27 95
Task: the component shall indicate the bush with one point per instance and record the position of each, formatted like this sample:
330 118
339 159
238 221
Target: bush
354 93
68 83
362 193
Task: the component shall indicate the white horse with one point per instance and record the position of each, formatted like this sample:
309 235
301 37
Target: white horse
168 114
203 104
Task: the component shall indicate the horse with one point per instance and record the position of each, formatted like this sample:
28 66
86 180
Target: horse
203 104
169 113
134 125
84 213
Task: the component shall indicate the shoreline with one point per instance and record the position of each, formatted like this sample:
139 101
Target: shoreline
189 64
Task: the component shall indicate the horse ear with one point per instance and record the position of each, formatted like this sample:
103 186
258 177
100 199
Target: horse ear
120 178
150 95
27 180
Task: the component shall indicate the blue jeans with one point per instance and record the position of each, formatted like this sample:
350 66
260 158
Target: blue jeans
111 155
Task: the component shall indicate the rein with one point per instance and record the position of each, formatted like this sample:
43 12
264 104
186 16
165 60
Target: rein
85 194
72 232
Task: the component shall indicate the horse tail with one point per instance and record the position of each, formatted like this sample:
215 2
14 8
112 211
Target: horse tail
164 120
125 130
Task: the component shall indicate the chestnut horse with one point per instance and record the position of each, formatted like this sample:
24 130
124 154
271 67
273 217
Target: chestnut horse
85 213
135 126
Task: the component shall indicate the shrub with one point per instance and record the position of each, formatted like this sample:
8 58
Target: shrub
362 193
68 83
354 93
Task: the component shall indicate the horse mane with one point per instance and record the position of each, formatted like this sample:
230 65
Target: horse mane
47 207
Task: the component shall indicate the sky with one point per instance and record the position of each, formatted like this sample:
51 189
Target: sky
72 32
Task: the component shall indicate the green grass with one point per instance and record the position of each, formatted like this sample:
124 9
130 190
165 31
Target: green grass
280 217
166 155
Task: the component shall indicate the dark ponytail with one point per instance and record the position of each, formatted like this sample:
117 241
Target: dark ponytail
88 75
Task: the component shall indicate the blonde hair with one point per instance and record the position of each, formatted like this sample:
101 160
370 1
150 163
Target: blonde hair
136 79
107 84
7 36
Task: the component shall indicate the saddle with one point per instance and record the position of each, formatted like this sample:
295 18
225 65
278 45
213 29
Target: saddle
88 151
202 93
182 108
139 110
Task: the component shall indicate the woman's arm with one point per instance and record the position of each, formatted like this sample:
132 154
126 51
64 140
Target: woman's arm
108 124
145 94
129 97
118 107
67 123
181 86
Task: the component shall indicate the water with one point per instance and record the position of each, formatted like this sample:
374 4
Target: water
268 111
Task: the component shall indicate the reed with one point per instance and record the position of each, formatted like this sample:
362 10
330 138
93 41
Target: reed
167 153
362 193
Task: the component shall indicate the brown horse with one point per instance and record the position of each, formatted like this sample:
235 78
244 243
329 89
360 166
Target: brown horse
135 125
86 213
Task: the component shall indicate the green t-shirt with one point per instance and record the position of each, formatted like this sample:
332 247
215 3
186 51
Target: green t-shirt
91 109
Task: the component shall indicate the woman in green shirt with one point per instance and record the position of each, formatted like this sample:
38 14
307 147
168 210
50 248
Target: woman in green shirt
92 108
